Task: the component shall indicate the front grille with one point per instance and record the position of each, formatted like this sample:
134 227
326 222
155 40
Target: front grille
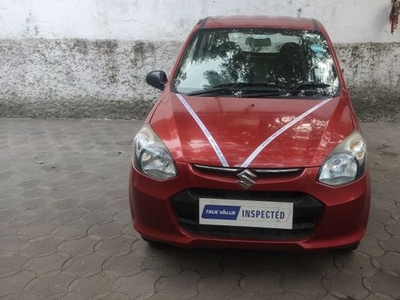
261 173
307 211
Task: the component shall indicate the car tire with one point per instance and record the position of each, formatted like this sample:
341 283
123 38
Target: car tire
352 247
149 241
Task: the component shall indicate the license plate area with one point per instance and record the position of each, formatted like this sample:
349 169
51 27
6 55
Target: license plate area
246 213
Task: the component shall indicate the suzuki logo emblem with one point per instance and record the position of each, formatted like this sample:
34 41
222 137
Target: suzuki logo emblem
246 178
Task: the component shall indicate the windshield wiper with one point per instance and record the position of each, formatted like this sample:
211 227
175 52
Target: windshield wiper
311 84
209 91
265 94
250 84
307 89
228 87
278 90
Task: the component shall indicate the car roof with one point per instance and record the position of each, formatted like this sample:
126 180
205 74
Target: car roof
260 21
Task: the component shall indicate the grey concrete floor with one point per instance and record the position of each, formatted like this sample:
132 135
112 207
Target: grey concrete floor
66 233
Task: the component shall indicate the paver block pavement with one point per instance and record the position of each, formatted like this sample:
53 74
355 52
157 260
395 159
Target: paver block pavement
66 230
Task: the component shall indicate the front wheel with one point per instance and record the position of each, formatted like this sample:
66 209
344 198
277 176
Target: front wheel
150 241
351 247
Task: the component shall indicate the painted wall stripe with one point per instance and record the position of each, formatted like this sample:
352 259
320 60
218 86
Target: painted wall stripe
280 131
203 128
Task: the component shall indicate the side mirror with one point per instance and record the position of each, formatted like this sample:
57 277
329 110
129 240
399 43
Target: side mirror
157 79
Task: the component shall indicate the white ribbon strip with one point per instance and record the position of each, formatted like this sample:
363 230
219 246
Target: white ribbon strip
280 131
259 148
208 135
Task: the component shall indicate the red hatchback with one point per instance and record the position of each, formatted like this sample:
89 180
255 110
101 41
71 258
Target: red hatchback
253 143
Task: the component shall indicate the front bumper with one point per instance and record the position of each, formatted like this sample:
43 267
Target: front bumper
338 215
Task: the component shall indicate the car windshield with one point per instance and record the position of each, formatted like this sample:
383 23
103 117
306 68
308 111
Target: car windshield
257 63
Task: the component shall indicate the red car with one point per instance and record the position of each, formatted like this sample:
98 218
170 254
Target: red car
253 143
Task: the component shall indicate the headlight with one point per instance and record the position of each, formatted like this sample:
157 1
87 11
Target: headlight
346 163
151 156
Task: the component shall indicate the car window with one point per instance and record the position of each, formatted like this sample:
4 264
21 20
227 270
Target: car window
254 59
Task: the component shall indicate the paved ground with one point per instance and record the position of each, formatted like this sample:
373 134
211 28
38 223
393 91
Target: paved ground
65 228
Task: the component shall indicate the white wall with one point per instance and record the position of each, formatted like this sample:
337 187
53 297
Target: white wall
351 21
89 58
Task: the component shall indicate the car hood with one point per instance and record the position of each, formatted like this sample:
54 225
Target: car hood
295 132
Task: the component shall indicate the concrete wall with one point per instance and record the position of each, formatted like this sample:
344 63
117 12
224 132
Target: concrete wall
74 58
